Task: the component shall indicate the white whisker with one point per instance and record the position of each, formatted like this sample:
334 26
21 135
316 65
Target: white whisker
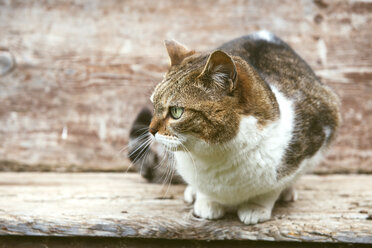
143 136
144 146
146 153
168 178
172 170
167 158
145 143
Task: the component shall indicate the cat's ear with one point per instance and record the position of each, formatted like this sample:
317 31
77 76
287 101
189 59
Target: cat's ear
177 52
221 69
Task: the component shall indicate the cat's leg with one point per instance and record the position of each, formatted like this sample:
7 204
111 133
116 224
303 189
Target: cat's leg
189 194
258 209
289 194
206 208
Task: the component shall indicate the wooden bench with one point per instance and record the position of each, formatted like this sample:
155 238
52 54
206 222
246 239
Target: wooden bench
330 209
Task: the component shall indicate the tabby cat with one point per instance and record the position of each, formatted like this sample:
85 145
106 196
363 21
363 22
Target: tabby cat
241 124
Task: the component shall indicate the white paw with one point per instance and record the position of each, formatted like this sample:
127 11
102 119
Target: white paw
208 210
189 194
251 213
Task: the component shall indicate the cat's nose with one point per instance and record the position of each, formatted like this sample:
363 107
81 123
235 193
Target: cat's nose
154 125
153 131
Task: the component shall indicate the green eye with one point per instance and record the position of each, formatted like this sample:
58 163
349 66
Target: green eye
176 112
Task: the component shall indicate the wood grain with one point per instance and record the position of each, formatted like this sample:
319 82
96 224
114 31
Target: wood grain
333 208
73 74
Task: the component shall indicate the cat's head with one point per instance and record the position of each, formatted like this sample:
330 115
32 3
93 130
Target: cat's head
199 99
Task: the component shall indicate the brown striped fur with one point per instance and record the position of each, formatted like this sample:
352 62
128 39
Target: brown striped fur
251 67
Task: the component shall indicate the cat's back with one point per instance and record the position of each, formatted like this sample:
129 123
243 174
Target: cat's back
274 59
316 106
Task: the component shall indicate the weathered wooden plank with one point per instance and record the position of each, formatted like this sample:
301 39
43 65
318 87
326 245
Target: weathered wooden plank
330 209
82 70
114 242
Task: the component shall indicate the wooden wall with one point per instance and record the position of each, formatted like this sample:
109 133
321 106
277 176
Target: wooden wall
73 74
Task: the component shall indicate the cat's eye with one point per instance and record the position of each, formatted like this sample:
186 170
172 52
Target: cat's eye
176 112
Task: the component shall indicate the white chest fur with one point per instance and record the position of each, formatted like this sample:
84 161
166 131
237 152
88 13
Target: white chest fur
244 167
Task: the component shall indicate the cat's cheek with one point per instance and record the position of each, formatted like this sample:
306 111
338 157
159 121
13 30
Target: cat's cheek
180 126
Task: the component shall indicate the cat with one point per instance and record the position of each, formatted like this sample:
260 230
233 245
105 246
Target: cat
241 122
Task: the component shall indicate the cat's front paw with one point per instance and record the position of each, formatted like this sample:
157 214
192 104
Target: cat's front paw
251 213
189 194
208 209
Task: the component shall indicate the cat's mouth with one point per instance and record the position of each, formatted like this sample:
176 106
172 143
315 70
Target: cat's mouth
171 142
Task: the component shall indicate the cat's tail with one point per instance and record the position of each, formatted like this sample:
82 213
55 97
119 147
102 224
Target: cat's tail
150 161
139 152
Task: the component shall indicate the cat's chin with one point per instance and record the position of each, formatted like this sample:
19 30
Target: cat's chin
171 143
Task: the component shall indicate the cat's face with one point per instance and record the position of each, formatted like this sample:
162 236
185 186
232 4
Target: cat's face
195 102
